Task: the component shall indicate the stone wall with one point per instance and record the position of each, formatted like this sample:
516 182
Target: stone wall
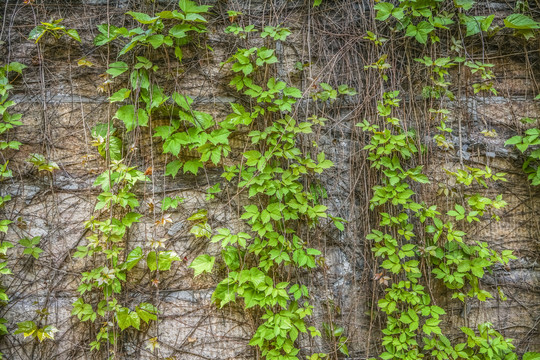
61 101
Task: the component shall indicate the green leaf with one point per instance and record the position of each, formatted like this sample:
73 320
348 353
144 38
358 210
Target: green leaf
133 258
151 261
169 202
202 263
189 6
120 95
127 318
130 45
201 230
126 113
73 34
292 92
163 261
219 136
102 130
514 140
16 66
163 131
256 276
115 148
339 225
384 10
139 78
203 120
420 31
476 24
193 166
146 312
183 101
155 40
27 328
37 32
173 167
437 310
142 17
231 257
521 22
46 333
178 53
201 215
142 117
4 225
464 4
33 251
4 269
179 31
117 68
173 144
531 356
4 246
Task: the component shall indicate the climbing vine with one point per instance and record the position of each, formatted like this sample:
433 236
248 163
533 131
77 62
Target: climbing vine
8 121
274 182
258 261
272 172
445 251
117 206
272 176
459 264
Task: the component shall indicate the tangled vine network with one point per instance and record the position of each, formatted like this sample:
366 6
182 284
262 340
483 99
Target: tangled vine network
269 179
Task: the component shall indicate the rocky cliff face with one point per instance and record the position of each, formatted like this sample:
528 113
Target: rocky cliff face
61 101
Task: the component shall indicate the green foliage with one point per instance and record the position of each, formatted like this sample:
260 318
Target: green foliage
412 326
377 40
381 65
42 163
168 203
216 189
190 129
528 145
335 333
458 262
101 133
161 260
127 317
277 33
117 204
476 24
55 29
105 242
241 32
30 329
187 21
30 246
203 263
522 24
423 20
271 173
8 121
